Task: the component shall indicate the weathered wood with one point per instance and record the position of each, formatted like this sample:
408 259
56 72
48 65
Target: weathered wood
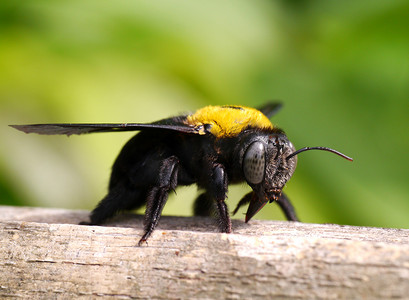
44 254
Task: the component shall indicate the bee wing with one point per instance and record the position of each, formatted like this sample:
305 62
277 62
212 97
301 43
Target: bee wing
270 109
69 129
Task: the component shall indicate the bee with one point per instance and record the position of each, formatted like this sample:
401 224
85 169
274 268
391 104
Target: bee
212 147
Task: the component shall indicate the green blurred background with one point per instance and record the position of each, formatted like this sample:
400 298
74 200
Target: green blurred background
340 67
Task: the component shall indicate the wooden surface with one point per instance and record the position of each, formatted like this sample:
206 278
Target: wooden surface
45 255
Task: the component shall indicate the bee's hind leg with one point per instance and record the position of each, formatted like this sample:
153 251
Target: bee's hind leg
120 197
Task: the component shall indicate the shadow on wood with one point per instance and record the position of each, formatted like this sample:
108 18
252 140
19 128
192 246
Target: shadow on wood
44 254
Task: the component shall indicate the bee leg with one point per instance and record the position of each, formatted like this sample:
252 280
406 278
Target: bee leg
218 190
119 197
204 206
246 199
158 195
287 208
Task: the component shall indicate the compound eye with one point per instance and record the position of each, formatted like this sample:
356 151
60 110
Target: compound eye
254 163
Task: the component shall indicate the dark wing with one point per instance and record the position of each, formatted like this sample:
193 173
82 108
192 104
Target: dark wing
270 109
70 129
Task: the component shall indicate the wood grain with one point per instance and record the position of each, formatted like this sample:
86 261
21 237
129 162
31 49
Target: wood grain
45 255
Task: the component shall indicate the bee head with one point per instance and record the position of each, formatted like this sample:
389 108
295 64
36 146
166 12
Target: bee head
268 162
266 167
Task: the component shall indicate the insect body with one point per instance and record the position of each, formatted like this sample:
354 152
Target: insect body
213 147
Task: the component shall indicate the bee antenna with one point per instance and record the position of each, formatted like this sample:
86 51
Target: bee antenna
319 148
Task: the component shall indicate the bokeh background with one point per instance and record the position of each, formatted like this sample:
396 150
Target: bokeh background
341 68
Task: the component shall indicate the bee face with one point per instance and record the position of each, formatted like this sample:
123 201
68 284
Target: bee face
278 169
265 165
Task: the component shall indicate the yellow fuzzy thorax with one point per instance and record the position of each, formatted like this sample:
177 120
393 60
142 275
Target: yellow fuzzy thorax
228 121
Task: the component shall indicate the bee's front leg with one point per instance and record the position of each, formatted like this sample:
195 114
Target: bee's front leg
287 207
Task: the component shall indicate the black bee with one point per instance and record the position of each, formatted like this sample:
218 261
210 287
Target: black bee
213 147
